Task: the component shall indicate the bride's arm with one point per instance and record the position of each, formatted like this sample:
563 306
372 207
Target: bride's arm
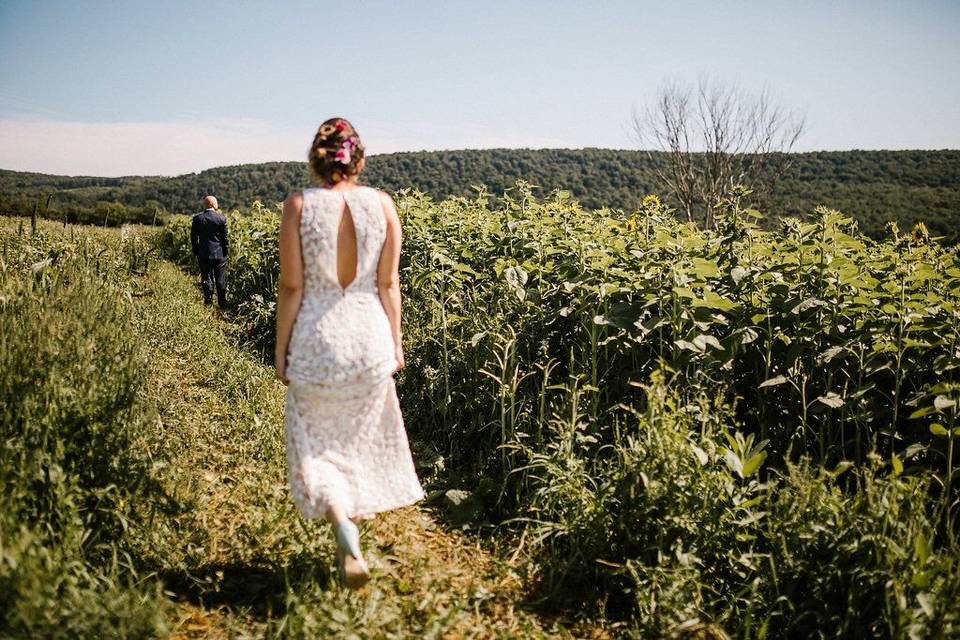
388 276
290 291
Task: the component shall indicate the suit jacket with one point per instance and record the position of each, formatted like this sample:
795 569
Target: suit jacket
208 235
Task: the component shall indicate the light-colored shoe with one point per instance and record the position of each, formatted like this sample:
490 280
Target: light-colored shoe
354 572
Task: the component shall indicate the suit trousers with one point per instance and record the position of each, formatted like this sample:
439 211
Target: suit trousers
214 274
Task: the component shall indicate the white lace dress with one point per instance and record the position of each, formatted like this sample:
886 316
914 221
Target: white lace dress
345 438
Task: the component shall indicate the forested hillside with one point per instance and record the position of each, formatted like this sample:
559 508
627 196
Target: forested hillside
872 186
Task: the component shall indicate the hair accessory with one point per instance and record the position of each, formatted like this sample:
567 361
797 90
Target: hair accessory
343 154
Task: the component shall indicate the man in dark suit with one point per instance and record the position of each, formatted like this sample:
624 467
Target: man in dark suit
208 235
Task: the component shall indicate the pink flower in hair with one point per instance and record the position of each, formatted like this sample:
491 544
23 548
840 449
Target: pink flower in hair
343 154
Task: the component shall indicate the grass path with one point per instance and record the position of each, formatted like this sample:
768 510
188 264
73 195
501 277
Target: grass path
235 555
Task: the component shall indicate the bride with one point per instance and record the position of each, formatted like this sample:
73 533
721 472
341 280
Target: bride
338 344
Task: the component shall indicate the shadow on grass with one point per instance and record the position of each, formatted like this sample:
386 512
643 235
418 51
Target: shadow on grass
258 588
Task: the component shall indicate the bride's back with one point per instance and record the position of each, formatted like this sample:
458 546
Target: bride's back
341 234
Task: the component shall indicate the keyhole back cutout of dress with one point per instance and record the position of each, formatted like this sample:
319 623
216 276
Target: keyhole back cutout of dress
346 248
342 234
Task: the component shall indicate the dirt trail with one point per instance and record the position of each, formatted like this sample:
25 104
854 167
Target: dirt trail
242 563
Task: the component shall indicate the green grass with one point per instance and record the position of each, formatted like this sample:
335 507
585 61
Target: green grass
75 461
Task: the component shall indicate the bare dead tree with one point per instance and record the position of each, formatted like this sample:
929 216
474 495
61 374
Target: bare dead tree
714 136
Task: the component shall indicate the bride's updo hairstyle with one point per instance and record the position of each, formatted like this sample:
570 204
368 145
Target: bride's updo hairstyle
336 151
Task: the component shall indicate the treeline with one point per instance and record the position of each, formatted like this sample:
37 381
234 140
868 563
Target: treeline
107 213
875 187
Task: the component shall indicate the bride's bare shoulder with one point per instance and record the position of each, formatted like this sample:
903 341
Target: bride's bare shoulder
387 201
293 203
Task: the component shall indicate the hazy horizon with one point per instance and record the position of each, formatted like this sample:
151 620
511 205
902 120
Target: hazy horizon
104 89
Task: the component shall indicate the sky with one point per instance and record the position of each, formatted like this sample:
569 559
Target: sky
135 88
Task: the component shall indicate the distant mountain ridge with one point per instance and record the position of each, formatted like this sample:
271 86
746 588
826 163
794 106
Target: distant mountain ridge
872 186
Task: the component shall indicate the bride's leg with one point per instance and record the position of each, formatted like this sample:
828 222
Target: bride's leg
353 568
336 515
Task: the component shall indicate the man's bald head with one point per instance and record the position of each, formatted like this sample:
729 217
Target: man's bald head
210 202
